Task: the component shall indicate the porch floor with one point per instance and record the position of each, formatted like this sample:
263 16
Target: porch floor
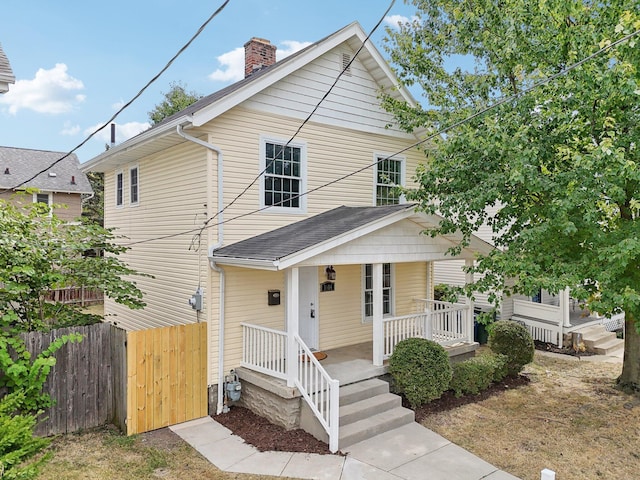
352 364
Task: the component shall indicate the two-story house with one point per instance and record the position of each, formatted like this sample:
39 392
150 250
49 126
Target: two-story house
63 186
269 212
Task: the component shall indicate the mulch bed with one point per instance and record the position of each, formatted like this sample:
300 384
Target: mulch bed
265 436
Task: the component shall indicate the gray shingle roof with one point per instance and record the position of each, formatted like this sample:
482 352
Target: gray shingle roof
6 74
19 164
285 241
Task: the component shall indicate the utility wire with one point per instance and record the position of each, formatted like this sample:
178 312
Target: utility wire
480 112
306 120
113 117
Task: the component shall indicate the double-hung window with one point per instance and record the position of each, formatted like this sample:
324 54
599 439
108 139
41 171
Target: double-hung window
389 174
133 186
283 182
119 189
387 290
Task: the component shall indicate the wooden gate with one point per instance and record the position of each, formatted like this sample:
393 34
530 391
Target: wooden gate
166 376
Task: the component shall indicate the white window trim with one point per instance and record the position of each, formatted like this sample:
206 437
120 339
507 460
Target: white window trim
42 192
363 270
137 202
403 170
115 189
264 139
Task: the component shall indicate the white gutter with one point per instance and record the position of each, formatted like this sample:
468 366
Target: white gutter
218 244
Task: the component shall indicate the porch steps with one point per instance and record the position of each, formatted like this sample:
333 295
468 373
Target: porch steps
598 340
368 409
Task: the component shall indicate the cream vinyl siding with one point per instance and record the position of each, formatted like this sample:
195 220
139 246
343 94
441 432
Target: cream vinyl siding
172 198
410 285
353 103
72 206
340 311
246 301
332 153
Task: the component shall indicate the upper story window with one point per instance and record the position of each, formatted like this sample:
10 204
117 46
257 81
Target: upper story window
389 174
133 186
119 189
284 176
387 290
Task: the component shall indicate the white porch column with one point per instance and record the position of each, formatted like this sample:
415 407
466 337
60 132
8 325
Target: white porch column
429 295
378 331
291 314
470 306
564 307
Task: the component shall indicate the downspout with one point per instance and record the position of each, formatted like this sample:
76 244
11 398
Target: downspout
218 244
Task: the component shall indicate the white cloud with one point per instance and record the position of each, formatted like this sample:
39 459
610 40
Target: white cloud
395 20
232 62
118 105
124 131
70 130
290 47
51 91
232 66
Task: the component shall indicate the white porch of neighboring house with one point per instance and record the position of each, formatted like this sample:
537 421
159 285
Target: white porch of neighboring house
281 362
554 317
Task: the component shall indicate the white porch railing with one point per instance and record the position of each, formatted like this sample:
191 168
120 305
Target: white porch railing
443 322
264 350
321 392
540 311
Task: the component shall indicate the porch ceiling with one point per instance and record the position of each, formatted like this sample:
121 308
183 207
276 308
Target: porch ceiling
348 235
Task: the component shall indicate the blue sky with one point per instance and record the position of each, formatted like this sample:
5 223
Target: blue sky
77 62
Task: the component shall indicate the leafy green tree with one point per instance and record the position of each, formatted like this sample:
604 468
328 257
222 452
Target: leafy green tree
555 169
93 209
175 100
40 253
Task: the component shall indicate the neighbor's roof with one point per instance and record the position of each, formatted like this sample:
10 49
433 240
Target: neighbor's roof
6 74
20 164
163 135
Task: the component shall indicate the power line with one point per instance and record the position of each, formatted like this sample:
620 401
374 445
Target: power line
306 120
480 112
126 105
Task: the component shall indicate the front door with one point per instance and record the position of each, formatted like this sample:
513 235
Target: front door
308 304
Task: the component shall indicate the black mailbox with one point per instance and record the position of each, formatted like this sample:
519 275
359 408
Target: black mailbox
273 297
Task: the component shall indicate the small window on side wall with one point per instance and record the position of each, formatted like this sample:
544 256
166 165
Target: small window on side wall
134 181
119 189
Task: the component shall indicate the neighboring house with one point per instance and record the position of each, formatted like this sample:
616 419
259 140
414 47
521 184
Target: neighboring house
291 247
63 184
6 74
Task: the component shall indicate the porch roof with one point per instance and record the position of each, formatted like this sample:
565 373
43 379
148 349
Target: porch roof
322 239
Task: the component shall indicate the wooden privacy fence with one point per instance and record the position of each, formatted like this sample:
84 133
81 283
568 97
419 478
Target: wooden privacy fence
166 376
140 381
81 382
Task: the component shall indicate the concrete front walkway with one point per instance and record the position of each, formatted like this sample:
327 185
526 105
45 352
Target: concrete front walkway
409 452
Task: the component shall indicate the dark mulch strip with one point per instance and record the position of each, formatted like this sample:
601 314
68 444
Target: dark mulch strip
550 347
265 436
448 400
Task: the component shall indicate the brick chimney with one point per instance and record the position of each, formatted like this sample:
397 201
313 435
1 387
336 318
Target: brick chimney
258 54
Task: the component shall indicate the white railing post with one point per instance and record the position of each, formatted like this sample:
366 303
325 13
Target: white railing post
378 333
292 312
428 330
334 415
470 306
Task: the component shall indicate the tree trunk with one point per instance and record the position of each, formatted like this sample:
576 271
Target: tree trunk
629 379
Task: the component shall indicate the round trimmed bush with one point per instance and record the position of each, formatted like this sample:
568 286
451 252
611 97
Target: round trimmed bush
420 370
514 341
476 374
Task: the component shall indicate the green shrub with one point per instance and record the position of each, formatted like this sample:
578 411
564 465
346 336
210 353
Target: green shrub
420 370
514 341
476 374
18 445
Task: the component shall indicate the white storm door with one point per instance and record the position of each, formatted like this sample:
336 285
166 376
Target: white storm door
308 306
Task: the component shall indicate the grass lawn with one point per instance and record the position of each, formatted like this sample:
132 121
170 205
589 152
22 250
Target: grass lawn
569 419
